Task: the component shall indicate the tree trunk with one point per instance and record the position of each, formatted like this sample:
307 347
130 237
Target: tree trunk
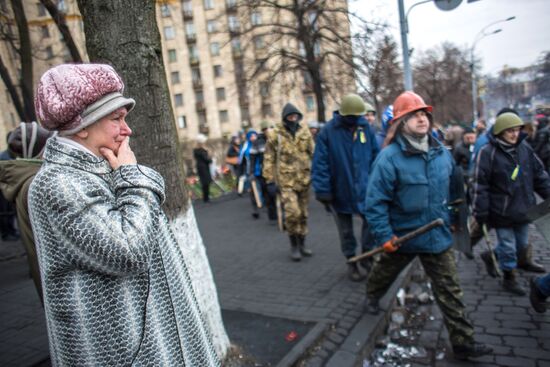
319 94
124 33
61 24
12 90
25 54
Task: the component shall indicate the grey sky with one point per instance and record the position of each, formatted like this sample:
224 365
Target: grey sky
519 44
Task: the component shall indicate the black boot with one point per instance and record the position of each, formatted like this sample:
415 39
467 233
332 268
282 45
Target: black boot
525 261
371 306
304 250
538 300
489 263
354 274
471 350
294 248
511 284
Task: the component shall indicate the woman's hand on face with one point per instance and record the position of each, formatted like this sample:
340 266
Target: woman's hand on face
124 156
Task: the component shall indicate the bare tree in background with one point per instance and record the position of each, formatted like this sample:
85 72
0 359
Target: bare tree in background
380 74
301 40
124 33
59 19
442 76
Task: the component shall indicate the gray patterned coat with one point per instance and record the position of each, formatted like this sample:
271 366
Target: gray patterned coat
116 287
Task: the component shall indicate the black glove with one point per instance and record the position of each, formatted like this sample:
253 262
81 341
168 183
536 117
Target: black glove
272 189
324 198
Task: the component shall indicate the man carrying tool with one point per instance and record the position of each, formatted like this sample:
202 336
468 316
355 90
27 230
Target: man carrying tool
408 188
344 153
287 167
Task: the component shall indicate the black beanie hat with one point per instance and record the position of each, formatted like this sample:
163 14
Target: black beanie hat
468 130
506 110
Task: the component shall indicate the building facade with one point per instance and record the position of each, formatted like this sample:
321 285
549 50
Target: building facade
208 65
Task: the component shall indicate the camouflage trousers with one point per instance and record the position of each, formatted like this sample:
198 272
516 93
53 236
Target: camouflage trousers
295 209
441 269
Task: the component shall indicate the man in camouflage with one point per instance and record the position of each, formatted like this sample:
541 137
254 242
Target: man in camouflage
287 167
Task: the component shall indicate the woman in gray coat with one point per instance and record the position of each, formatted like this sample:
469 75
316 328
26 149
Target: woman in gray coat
116 287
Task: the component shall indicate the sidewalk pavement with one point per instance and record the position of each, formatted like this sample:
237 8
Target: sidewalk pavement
255 277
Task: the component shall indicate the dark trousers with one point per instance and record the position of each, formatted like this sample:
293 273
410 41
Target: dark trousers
7 218
348 243
267 200
205 192
441 269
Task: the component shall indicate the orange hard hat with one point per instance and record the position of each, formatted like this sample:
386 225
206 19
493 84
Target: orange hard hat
406 103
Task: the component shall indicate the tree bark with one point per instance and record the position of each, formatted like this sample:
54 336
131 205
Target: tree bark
124 33
12 90
25 54
59 19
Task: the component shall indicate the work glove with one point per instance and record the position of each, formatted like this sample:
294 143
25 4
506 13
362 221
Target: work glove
272 189
389 246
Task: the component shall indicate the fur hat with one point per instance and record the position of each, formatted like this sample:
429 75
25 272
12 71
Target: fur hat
28 140
70 97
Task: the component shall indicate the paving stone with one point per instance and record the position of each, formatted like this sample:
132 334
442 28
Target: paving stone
515 341
536 353
514 361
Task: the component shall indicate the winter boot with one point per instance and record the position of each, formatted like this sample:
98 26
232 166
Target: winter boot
511 284
371 306
354 274
526 262
538 300
489 263
304 250
366 264
294 248
471 350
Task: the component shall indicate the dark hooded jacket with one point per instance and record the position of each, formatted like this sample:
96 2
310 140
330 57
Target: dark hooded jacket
505 183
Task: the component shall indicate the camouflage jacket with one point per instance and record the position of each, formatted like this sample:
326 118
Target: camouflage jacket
287 160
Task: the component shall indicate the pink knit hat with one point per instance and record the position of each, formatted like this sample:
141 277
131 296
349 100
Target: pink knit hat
70 97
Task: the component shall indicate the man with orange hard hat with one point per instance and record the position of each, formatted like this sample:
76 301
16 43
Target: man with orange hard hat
409 187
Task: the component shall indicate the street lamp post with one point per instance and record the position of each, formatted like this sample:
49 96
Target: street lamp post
481 35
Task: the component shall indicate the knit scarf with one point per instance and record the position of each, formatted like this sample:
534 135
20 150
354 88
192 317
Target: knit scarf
419 143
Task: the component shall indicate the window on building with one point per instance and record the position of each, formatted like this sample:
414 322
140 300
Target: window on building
224 116
245 114
259 42
267 111
236 45
312 17
231 3
172 55
199 96
193 52
208 4
202 119
220 94
61 6
215 48
41 10
169 33
264 89
189 28
310 104
317 49
49 52
187 7
218 71
165 10
45 30
178 100
196 74
256 18
233 23
175 77
211 26
182 123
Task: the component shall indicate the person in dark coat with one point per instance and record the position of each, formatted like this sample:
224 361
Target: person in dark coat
203 161
344 153
7 210
507 174
463 151
541 143
409 187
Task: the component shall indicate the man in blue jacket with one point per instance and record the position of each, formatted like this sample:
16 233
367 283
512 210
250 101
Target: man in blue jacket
344 153
408 188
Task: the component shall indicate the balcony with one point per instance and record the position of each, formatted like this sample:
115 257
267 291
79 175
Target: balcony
188 14
231 6
237 54
203 129
191 38
194 60
243 101
197 84
199 106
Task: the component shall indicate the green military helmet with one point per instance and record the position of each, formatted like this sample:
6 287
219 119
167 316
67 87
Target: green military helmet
352 105
369 107
264 125
506 121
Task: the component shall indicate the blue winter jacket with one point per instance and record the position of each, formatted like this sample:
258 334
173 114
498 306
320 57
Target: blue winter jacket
341 164
408 189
